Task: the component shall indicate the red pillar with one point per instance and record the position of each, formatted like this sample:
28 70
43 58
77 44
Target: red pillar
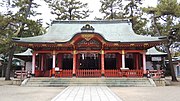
74 62
78 61
137 61
60 61
42 62
102 62
119 63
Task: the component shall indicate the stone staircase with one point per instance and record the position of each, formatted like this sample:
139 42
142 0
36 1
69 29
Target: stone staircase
110 82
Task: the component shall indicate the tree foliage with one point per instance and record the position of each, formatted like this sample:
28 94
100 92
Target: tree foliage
165 21
134 12
68 9
16 24
111 8
114 9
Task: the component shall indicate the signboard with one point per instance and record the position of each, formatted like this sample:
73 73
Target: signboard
56 68
156 58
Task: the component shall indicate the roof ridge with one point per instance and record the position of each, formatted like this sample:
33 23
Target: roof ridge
90 21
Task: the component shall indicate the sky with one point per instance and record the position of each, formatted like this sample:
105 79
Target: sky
93 5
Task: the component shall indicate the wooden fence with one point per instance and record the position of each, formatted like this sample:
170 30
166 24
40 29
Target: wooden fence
39 73
88 73
97 73
112 73
118 73
67 73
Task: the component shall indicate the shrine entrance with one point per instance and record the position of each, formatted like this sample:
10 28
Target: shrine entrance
89 65
89 61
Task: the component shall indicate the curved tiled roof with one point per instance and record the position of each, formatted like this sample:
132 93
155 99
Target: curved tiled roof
28 52
153 51
110 30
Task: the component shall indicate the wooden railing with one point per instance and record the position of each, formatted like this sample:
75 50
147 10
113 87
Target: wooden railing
67 73
97 73
128 73
39 73
112 73
47 73
88 73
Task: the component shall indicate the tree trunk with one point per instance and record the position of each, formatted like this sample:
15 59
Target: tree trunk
13 48
155 25
171 64
11 53
167 51
112 15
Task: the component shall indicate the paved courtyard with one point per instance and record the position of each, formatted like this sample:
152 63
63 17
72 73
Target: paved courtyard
17 93
87 93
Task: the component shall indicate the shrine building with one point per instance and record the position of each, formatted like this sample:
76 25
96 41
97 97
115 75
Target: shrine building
107 48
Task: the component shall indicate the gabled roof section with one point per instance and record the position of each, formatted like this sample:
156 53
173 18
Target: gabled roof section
28 52
153 51
110 30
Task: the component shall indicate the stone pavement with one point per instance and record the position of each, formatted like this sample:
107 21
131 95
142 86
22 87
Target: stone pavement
86 93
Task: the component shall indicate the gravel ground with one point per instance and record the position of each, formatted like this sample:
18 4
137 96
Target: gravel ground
168 93
17 93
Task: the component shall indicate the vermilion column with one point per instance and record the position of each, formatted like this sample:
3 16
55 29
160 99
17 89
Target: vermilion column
78 61
60 61
123 59
54 63
42 62
144 62
119 61
137 61
74 62
102 62
33 63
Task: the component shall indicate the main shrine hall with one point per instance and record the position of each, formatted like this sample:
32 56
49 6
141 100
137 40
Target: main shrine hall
107 48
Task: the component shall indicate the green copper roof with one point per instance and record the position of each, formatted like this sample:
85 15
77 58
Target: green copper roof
111 30
28 52
153 51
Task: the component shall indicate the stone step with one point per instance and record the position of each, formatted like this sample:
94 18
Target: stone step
111 82
65 85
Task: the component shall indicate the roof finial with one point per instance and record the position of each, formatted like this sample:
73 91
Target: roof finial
87 28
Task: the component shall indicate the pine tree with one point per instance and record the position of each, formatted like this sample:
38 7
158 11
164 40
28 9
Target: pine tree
164 21
68 9
112 9
134 12
17 24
